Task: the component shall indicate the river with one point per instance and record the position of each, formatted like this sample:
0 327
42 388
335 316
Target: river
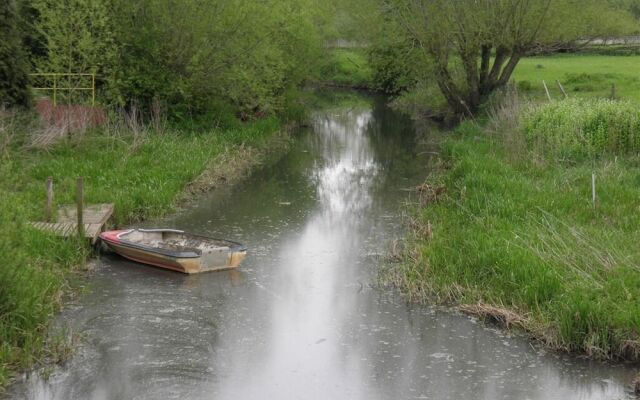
302 317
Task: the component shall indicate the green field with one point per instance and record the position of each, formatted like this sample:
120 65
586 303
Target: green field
145 175
581 75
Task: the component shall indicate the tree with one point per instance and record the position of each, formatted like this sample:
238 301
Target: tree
77 35
475 45
196 56
14 80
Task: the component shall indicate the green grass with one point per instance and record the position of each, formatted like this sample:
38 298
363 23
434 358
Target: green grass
348 68
575 128
143 177
581 75
517 231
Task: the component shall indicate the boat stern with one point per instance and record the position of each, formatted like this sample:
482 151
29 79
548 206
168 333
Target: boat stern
236 257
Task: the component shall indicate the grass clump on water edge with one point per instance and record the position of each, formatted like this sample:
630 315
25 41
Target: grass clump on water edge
142 169
516 233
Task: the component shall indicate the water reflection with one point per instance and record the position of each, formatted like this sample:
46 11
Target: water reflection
299 320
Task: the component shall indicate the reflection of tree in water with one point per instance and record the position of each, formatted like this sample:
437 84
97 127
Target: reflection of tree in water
348 166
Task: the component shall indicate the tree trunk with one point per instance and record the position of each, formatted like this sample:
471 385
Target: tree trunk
501 57
470 65
516 55
451 93
485 61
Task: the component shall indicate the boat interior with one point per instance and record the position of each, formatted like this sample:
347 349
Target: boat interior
173 240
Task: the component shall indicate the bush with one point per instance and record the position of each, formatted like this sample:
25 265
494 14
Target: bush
584 128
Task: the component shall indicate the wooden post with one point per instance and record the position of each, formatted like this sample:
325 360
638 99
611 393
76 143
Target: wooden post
80 204
561 89
546 89
93 90
613 91
593 189
48 207
55 90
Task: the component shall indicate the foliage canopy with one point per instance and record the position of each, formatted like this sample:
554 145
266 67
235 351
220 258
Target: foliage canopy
195 56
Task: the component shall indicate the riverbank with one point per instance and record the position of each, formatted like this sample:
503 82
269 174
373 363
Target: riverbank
506 228
146 173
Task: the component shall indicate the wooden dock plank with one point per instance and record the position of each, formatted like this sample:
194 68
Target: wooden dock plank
95 216
92 214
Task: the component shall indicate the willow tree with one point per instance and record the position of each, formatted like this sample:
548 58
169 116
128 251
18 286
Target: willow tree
475 45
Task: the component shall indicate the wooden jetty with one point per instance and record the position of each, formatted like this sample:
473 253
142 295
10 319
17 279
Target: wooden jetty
76 219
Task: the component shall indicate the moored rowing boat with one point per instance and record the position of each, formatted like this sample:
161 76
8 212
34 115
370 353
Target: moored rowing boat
175 250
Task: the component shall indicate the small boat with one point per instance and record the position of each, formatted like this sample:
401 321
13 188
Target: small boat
175 250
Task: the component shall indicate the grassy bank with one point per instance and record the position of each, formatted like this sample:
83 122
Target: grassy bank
347 68
143 171
582 75
507 228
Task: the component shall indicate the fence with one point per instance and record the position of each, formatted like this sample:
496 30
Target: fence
57 79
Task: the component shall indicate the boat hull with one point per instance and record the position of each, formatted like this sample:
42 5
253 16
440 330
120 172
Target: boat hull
189 264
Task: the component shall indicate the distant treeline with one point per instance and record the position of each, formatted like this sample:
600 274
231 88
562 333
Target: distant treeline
191 55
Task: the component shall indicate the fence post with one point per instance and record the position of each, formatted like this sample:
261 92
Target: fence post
80 205
613 91
93 91
561 89
55 85
546 89
48 208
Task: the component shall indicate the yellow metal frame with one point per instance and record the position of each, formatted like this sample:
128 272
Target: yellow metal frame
57 76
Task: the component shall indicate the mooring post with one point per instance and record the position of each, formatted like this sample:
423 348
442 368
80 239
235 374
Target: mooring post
80 204
48 208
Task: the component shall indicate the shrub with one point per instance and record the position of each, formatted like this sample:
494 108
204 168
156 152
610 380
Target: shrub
584 128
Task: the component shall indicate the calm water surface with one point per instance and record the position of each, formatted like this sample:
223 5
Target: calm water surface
299 319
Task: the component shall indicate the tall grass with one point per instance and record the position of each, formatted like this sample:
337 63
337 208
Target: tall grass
517 231
141 170
584 127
